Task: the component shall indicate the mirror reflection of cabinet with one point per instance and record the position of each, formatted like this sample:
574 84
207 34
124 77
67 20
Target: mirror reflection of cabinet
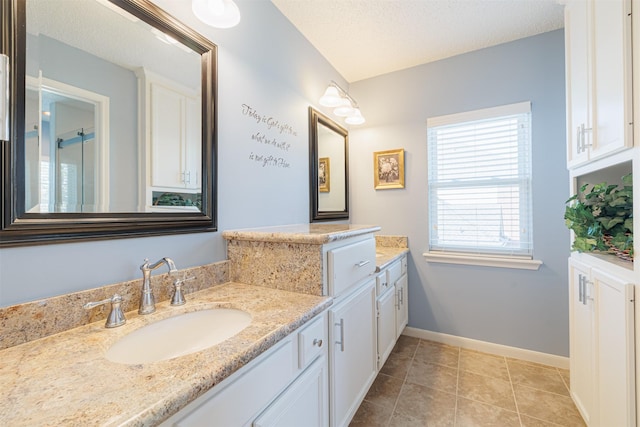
170 158
329 176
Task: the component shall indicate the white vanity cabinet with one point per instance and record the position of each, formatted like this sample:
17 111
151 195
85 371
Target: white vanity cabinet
602 359
392 307
397 275
336 260
386 317
284 386
352 351
598 65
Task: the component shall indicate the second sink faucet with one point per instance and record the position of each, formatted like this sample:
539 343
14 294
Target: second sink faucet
147 301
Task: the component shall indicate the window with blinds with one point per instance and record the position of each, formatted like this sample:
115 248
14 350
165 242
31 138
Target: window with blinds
480 181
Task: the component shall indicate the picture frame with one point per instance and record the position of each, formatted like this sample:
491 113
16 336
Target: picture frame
388 169
324 175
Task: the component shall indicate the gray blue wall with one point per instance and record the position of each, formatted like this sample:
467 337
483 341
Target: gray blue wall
265 63
526 309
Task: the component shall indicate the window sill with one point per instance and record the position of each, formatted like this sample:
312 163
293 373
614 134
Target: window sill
483 260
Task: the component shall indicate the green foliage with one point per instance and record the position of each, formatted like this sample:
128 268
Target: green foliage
601 211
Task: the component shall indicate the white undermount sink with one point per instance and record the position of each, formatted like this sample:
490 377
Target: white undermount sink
178 336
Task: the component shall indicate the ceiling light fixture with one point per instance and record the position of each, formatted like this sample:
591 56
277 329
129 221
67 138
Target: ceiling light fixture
216 13
344 105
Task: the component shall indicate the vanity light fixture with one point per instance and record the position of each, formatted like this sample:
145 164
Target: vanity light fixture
216 13
344 105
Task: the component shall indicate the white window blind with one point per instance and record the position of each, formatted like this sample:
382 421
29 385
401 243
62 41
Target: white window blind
480 181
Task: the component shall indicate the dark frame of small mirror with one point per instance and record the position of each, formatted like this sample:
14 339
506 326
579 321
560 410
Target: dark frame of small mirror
316 214
19 228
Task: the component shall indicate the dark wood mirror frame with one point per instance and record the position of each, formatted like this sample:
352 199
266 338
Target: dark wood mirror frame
19 228
317 118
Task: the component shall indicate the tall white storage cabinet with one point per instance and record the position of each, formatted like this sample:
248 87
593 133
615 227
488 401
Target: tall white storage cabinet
602 104
599 78
602 343
170 148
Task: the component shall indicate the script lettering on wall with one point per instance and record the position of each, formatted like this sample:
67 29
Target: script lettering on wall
271 139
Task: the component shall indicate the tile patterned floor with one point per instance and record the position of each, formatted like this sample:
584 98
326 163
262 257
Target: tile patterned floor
424 383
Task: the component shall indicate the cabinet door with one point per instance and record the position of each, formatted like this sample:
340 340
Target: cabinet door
386 325
352 356
582 346
193 145
611 65
402 305
577 78
304 403
615 350
167 135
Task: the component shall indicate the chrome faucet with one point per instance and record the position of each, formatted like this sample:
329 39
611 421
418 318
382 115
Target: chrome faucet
147 301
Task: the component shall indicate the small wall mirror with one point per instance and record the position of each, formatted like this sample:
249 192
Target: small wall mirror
112 122
329 168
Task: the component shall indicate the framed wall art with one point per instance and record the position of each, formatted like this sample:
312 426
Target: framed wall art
388 169
324 177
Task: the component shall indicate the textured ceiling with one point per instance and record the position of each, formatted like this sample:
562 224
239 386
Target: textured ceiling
366 38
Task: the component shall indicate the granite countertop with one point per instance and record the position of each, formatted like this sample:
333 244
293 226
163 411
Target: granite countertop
387 255
301 233
64 379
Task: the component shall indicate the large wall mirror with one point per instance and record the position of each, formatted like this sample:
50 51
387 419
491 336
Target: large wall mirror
329 168
112 122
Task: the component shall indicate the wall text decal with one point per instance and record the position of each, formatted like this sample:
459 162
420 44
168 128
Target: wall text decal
273 134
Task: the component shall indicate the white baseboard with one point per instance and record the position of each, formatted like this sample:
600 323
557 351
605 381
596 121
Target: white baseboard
488 347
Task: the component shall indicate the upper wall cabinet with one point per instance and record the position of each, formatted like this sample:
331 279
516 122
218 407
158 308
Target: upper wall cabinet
598 63
170 163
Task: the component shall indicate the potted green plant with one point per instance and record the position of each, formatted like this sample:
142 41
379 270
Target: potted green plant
601 217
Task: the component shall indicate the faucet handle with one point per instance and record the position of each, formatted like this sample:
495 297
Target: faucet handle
178 297
116 316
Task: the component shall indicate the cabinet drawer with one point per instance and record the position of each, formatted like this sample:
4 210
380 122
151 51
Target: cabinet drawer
382 284
349 264
235 402
403 263
394 272
312 341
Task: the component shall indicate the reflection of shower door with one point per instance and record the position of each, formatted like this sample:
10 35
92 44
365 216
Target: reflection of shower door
75 171
66 148
75 156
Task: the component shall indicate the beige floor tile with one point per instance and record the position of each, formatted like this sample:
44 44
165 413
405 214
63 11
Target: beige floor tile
441 354
537 376
547 406
431 375
484 389
528 421
564 374
406 345
371 415
424 405
384 391
484 364
403 420
397 365
475 414
421 381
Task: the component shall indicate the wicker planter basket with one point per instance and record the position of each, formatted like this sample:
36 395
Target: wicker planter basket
625 255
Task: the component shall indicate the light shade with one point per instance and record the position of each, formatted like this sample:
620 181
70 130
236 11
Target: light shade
345 109
216 13
331 97
355 118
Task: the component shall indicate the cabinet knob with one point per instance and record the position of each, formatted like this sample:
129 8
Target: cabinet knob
317 342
